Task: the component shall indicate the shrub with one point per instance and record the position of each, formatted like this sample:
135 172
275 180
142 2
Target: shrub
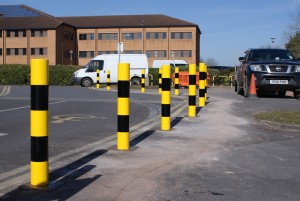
16 74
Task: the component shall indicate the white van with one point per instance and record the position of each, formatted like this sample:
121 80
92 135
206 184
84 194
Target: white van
87 76
172 63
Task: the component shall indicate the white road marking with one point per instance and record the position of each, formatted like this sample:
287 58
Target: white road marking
17 108
5 91
3 134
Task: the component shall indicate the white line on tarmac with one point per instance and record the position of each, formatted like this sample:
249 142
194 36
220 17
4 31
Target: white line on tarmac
56 161
5 91
17 108
3 134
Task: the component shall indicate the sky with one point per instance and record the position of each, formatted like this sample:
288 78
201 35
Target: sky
228 27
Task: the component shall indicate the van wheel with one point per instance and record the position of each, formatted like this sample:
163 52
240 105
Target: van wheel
86 82
246 87
135 81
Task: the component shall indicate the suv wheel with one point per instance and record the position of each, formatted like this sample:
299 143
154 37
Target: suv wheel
246 86
297 94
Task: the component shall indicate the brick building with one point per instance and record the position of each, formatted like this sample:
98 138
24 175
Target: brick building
27 33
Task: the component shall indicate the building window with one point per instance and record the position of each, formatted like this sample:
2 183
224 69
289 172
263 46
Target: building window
16 33
24 51
66 53
156 53
7 34
0 33
38 33
107 36
132 36
181 35
38 51
24 33
16 51
0 51
89 36
107 52
7 51
86 54
181 53
133 52
156 35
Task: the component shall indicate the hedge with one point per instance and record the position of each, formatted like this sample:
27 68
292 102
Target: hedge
17 74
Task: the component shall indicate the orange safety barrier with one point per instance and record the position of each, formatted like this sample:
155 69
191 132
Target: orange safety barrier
184 78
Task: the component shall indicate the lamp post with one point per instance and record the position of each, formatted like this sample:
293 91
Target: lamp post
272 40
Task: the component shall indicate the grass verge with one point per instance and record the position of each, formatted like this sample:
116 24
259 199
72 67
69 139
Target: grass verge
292 118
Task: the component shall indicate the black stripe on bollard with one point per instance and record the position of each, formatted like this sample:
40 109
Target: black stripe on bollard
39 97
39 149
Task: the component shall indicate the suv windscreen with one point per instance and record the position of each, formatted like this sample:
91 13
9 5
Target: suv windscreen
270 54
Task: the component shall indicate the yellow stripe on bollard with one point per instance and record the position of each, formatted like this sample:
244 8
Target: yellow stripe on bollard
166 98
176 81
123 106
202 84
143 81
108 80
39 170
192 90
159 80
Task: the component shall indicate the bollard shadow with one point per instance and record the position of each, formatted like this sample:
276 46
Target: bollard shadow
175 121
68 185
141 137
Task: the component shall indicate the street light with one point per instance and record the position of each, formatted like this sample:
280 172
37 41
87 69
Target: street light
273 40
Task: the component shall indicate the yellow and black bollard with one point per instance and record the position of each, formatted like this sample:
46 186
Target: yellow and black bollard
159 80
205 82
202 84
176 80
166 98
192 90
98 79
123 106
108 80
39 168
143 81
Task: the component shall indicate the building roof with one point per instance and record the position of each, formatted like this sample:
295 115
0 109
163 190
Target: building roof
126 21
14 17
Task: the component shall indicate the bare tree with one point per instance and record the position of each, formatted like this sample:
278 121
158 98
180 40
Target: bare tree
211 62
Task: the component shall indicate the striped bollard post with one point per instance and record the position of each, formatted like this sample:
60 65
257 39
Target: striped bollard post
205 82
202 84
166 98
108 80
98 79
123 106
39 168
176 80
159 80
192 90
143 81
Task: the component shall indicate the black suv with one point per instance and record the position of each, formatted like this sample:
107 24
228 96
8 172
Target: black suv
275 70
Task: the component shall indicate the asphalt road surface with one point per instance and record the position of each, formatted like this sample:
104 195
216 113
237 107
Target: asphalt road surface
222 154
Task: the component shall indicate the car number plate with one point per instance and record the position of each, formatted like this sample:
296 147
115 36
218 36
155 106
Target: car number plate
279 81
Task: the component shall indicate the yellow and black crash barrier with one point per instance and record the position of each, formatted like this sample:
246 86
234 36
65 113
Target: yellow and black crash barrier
202 84
159 80
39 168
176 81
98 79
192 90
123 106
166 98
108 80
143 81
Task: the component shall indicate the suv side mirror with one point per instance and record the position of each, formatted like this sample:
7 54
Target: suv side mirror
241 59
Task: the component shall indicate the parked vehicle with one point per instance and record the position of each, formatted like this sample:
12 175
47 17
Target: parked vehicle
275 70
172 63
87 76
